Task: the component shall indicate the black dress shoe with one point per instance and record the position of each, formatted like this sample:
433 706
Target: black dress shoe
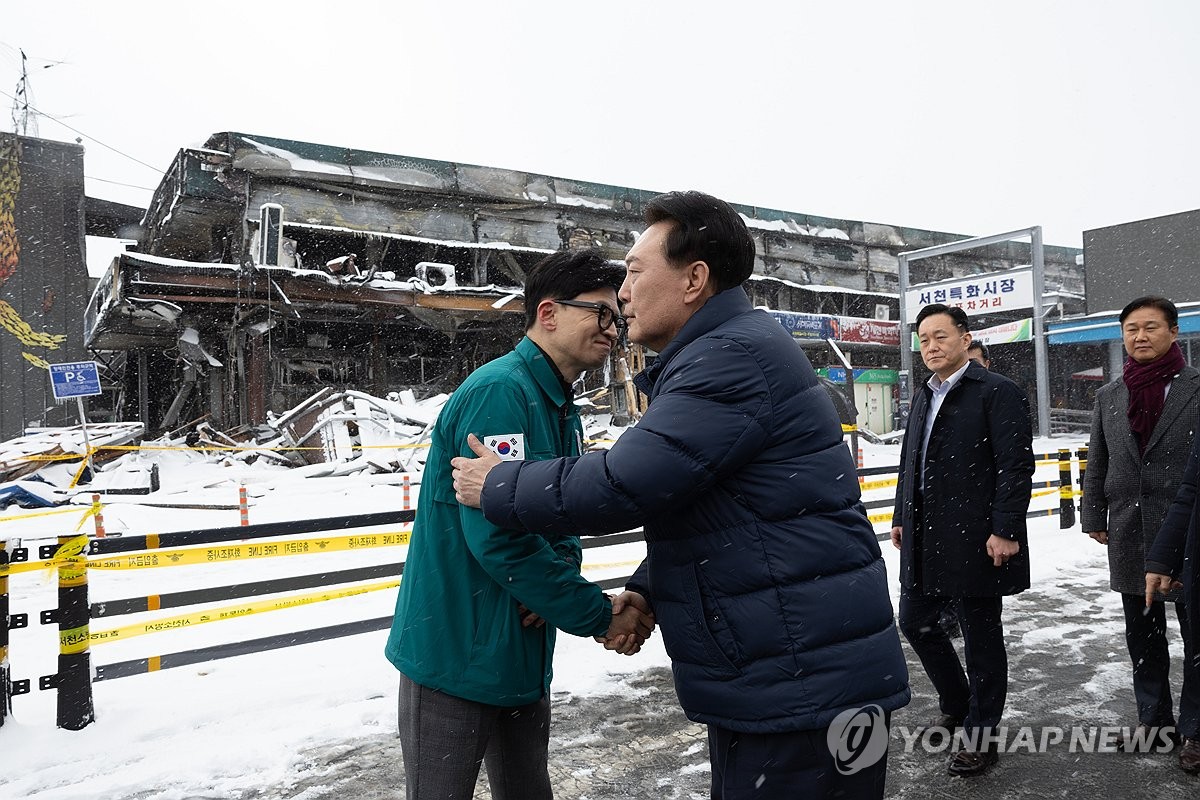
1189 756
1147 738
971 763
940 728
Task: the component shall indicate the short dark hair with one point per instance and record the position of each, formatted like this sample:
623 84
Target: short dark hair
1150 301
956 314
567 274
706 229
981 347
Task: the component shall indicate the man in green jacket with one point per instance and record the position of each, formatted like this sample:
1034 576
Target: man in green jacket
468 635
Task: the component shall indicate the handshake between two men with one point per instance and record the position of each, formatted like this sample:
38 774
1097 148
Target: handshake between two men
632 623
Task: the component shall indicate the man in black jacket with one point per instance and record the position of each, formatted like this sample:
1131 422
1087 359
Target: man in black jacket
761 566
1173 562
965 478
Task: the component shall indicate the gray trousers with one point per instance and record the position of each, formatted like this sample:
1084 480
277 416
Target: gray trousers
445 738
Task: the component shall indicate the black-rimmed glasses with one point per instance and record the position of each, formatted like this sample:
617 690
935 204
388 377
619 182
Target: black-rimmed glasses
605 316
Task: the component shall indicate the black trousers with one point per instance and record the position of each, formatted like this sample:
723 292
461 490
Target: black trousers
976 693
848 763
1146 636
444 739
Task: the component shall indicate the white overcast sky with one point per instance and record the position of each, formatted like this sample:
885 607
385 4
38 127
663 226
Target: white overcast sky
970 117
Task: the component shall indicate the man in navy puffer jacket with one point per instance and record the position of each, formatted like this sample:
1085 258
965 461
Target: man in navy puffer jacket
761 567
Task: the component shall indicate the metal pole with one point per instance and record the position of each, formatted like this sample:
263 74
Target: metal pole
848 394
1066 503
906 356
1040 356
87 443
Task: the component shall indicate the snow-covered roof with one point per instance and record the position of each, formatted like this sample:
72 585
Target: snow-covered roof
812 287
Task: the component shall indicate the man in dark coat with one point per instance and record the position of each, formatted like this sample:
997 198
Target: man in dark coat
964 485
1172 563
1142 429
761 567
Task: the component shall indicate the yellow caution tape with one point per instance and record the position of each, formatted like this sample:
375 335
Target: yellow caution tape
82 466
1068 493
883 484
877 518
71 548
232 612
92 511
23 517
57 457
612 565
183 556
212 448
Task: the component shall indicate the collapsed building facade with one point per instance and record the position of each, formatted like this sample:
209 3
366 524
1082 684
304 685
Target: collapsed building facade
268 269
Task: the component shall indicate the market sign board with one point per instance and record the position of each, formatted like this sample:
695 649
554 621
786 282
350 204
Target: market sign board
994 293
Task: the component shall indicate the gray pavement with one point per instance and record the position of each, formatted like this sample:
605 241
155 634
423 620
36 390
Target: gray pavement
1068 667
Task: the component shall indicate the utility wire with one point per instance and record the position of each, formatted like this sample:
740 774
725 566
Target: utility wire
84 135
118 183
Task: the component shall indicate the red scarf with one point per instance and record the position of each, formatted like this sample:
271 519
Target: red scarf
1147 385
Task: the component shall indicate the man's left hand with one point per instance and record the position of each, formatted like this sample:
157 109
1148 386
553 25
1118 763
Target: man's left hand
471 473
1000 550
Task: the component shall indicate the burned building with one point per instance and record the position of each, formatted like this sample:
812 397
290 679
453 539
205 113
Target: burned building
269 268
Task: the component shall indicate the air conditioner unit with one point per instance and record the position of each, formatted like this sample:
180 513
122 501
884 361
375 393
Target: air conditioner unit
439 275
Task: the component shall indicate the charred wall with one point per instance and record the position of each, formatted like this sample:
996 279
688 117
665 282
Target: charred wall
43 278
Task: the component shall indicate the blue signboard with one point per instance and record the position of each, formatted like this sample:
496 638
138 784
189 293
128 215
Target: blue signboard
807 326
80 379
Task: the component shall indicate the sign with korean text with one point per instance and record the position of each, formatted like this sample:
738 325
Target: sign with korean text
805 326
1019 331
80 379
992 293
869 331
864 375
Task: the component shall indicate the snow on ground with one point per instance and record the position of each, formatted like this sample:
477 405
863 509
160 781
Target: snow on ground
219 729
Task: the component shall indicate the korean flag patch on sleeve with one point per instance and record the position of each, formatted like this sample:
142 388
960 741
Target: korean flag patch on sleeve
509 446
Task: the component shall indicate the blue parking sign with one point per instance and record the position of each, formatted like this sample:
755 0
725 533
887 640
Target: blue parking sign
80 379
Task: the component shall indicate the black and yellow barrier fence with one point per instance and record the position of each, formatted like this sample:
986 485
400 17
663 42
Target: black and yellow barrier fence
77 638
73 681
6 622
141 666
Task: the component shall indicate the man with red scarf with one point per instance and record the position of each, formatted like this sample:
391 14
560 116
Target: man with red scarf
1142 432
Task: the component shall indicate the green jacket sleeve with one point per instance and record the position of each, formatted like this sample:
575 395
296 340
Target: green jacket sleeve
528 566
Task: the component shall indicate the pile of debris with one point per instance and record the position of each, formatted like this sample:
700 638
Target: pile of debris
25 455
330 434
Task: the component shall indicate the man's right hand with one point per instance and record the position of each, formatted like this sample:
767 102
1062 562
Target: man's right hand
1099 536
897 536
1159 584
632 623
